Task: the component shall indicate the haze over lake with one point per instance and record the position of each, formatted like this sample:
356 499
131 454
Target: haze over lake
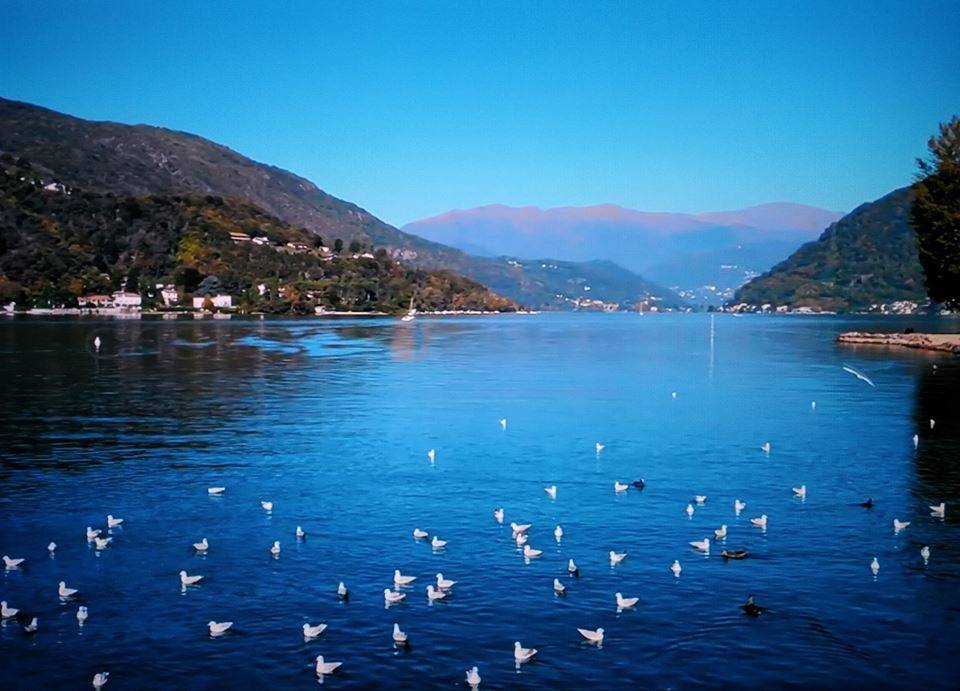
332 421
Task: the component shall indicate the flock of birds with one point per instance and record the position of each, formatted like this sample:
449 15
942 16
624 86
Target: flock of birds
100 539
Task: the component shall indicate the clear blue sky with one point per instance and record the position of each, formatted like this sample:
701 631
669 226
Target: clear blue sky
410 109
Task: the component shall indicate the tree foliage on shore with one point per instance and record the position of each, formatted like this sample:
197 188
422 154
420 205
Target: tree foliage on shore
935 214
59 244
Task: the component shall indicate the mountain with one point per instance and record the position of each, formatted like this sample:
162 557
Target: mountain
722 248
137 160
58 243
868 257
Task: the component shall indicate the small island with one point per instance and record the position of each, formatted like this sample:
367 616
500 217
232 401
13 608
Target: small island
944 343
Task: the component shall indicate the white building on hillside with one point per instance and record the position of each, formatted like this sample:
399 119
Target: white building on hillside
219 301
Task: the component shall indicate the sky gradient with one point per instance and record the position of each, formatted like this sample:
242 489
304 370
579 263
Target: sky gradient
411 109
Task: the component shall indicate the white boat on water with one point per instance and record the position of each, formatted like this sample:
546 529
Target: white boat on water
411 313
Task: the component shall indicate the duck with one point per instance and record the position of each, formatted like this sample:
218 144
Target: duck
215 491
531 553
189 580
437 543
7 612
113 522
800 491
899 525
267 505
720 533
217 628
100 679
760 522
521 654
751 608
92 533
593 636
689 510
201 546
82 614
558 533
434 594
620 486
734 554
498 514
420 534
399 636
432 455
639 484
299 533
572 568
275 548
64 592
342 591
676 568
925 553
559 587
551 491
700 499
313 631
101 543
626 602
739 506
444 583
324 667
392 596
399 579
875 566
12 563
938 511
617 557
473 677
701 545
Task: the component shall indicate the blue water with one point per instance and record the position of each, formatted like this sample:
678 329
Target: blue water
332 421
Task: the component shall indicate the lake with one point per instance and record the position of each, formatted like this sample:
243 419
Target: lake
332 421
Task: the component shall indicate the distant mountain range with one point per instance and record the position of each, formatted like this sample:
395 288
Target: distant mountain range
139 160
866 258
721 249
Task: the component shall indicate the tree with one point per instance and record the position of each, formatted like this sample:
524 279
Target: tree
935 215
338 245
355 246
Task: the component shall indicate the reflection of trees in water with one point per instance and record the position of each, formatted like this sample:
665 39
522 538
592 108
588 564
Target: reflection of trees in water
937 396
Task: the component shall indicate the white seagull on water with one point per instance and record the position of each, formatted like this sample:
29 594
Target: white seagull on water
617 557
437 543
875 566
899 525
82 614
324 667
7 612
392 597
313 631
739 506
619 486
592 636
720 533
765 447
52 547
559 587
342 591
300 534
551 491
399 579
113 522
599 447
676 568
420 534
11 563
432 455
558 533
218 628
434 594
626 602
64 592
215 491
275 548
521 654
473 677
701 545
189 580
760 522
689 510
498 514
531 553
267 505
939 511
503 423
100 679
800 491
101 543
444 583
398 635
925 553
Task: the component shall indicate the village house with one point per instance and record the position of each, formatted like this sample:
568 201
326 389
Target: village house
261 240
219 301
126 300
95 301
237 236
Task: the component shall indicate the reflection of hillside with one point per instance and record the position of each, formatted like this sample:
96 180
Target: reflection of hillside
938 456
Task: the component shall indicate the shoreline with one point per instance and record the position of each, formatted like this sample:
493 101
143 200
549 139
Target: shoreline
940 343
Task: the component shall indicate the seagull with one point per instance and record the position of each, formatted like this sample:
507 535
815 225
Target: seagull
702 545
521 654
875 566
399 579
800 491
739 506
52 547
11 563
859 375
28 626
473 677
91 533
689 510
391 596
938 511
201 546
324 667
498 514
7 612
503 423
617 557
531 553
342 591
444 583
64 592
275 549
868 504
398 635
437 543
639 484
626 602
751 608
189 580
102 542
720 533
573 568
214 491
592 636
558 533
267 505
559 587
551 491
933 423
113 522
313 631
432 455
82 614
100 679
700 499
813 405
420 534
676 568
520 527
96 344
433 594
760 522
599 447
218 627
916 440
299 533
899 525
619 486
521 539
673 395
766 447
924 552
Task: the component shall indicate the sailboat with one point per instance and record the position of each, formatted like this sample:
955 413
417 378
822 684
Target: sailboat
411 313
